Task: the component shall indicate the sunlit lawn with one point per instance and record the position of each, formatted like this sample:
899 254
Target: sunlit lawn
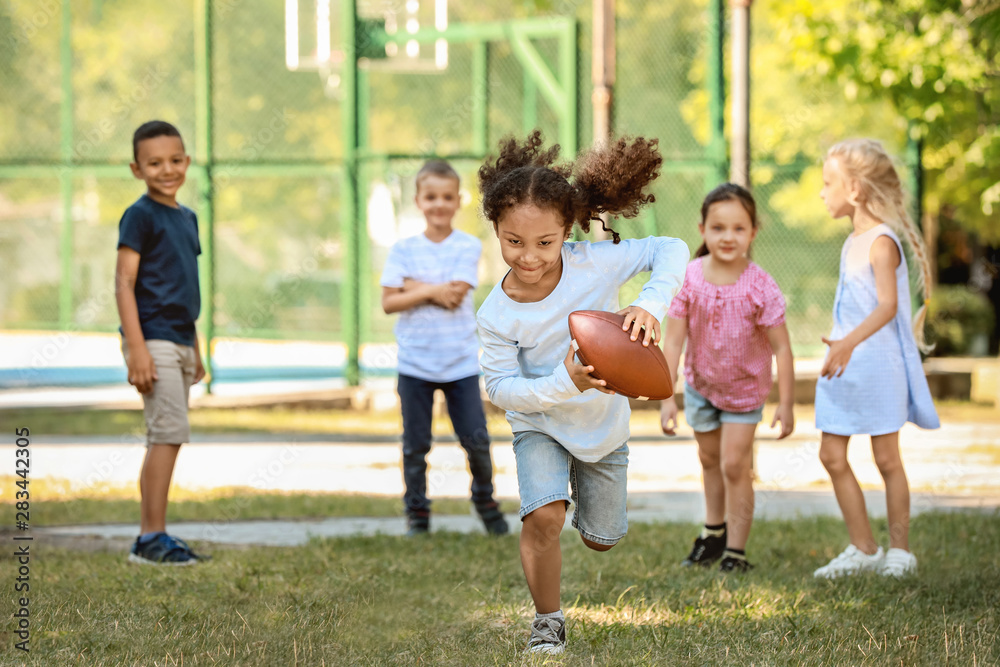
461 600
51 506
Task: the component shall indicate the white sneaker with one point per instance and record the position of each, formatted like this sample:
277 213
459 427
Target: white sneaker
899 563
548 635
851 561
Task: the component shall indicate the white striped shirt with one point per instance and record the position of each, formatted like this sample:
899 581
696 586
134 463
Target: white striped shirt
436 344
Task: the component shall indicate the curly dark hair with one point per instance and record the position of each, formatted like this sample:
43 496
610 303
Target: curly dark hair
609 180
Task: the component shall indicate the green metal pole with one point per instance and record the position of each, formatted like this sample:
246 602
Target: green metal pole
914 160
66 173
480 97
529 105
364 102
350 298
716 95
364 177
203 159
569 65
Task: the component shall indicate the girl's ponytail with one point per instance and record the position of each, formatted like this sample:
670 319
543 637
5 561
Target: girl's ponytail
611 180
924 277
605 180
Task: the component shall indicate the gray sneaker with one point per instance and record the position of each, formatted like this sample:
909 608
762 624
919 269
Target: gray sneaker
548 635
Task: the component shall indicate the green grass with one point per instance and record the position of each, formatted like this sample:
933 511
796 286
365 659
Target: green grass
461 600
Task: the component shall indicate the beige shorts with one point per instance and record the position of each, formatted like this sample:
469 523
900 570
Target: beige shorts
166 407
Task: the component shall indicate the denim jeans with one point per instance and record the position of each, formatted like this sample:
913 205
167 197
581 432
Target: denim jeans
465 407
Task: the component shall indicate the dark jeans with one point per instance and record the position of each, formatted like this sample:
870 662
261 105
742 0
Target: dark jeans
465 407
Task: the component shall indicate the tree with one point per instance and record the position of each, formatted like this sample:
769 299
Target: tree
936 63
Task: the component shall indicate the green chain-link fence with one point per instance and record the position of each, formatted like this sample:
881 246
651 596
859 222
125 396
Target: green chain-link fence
75 85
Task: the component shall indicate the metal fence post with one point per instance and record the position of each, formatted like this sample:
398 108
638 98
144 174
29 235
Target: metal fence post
569 126
66 173
716 96
350 205
914 160
480 97
740 153
203 159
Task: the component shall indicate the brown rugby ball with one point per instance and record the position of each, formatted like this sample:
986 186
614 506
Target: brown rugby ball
628 367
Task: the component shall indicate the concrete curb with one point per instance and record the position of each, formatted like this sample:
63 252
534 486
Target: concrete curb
684 506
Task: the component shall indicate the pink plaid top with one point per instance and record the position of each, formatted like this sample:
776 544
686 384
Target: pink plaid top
728 358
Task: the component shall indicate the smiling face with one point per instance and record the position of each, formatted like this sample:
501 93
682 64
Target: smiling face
531 241
438 199
162 163
727 231
836 190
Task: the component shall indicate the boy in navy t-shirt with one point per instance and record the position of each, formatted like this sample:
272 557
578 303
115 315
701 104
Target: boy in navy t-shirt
156 287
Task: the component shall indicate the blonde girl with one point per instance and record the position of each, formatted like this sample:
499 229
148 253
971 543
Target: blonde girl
872 381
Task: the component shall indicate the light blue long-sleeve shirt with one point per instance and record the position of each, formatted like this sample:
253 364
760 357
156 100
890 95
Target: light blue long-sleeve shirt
525 344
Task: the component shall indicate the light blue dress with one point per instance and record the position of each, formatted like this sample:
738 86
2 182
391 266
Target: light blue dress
883 386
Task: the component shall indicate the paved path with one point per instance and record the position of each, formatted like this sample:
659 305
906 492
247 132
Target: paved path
956 459
951 468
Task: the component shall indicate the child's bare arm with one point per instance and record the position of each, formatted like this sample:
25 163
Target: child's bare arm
673 343
782 347
199 370
141 369
415 293
460 289
398 299
884 260
447 295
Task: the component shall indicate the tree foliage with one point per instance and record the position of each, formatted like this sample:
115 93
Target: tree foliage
936 64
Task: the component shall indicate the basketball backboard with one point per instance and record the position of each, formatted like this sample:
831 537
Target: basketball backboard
313 36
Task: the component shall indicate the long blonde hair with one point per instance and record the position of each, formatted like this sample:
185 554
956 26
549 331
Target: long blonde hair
881 195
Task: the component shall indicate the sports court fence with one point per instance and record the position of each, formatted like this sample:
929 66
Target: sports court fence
268 171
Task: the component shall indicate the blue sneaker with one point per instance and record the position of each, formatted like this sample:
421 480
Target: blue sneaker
162 550
190 551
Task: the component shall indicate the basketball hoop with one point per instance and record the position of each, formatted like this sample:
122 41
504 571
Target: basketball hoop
312 36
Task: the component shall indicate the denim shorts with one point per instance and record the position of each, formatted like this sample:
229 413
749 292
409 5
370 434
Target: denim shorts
546 472
702 416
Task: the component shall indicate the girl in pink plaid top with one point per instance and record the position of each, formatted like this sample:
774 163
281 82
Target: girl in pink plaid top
734 314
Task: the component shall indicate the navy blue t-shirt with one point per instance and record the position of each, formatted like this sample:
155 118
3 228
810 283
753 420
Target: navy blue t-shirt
166 287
